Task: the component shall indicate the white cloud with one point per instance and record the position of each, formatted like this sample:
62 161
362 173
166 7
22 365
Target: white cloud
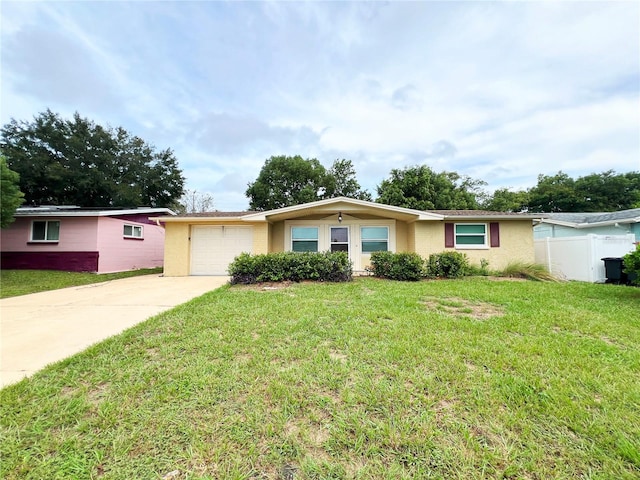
498 91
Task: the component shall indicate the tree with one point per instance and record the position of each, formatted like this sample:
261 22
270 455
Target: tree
81 163
597 192
10 195
194 202
421 188
504 200
342 174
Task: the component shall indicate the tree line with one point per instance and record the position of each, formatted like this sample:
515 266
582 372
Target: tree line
285 181
52 160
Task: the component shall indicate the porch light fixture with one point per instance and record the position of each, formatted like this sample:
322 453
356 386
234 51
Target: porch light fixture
339 217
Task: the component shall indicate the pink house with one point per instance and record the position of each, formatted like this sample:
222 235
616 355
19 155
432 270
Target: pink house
83 239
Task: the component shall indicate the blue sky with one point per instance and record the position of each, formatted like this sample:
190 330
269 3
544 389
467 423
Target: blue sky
498 91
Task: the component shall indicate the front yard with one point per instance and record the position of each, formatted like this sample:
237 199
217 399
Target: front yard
472 378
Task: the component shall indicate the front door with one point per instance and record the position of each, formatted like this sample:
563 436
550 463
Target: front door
339 239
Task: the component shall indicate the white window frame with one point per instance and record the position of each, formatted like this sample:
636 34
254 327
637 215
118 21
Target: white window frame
317 239
467 246
363 241
46 231
134 228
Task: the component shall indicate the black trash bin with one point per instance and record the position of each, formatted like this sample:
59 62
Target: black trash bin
613 267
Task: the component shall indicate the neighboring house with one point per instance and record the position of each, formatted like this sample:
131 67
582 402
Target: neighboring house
205 244
83 239
580 224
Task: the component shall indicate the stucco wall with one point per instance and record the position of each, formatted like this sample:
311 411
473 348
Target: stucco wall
76 235
401 236
277 237
260 238
176 249
119 254
516 243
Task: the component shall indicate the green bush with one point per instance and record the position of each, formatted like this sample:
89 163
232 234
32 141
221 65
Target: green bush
631 263
292 266
397 266
447 265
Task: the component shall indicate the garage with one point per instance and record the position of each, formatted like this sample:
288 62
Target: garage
213 248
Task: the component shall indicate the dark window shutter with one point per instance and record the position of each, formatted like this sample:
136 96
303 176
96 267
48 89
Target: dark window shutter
494 232
449 240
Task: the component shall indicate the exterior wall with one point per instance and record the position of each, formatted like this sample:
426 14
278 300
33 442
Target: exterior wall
516 243
277 237
261 239
75 251
177 249
77 234
118 253
401 236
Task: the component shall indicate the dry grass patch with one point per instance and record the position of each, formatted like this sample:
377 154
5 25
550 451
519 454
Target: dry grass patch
460 307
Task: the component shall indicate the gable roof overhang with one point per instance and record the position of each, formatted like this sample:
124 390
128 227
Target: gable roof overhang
344 205
483 215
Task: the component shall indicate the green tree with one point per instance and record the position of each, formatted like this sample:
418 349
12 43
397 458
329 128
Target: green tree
10 195
79 162
421 188
555 193
284 181
343 182
608 191
504 200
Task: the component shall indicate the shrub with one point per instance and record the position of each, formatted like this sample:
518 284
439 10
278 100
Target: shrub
631 263
292 266
397 266
447 265
531 271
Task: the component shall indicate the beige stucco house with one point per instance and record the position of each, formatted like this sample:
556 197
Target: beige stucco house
205 244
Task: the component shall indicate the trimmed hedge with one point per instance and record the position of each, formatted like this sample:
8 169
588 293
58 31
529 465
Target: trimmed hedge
412 267
631 266
447 265
292 266
397 266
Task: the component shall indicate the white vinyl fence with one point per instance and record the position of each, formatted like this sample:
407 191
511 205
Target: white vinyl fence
580 258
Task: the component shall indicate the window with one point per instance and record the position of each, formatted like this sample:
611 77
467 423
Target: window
471 235
374 239
304 239
132 231
339 239
45 231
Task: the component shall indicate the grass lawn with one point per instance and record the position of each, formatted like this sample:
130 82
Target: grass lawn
466 379
22 282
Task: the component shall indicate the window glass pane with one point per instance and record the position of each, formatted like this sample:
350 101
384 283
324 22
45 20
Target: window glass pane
470 229
137 231
340 247
304 233
371 246
470 240
374 233
39 229
53 230
305 246
128 230
339 234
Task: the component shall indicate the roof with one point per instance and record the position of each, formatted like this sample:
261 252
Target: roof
593 219
75 211
337 205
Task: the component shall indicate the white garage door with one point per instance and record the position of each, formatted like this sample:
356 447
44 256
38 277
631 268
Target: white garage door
214 248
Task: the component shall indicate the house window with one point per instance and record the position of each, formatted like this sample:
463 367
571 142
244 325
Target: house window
471 235
132 231
374 239
304 239
45 231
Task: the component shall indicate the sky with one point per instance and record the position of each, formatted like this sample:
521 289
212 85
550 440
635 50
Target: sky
497 91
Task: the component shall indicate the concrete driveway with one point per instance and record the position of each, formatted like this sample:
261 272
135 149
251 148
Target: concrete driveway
41 328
